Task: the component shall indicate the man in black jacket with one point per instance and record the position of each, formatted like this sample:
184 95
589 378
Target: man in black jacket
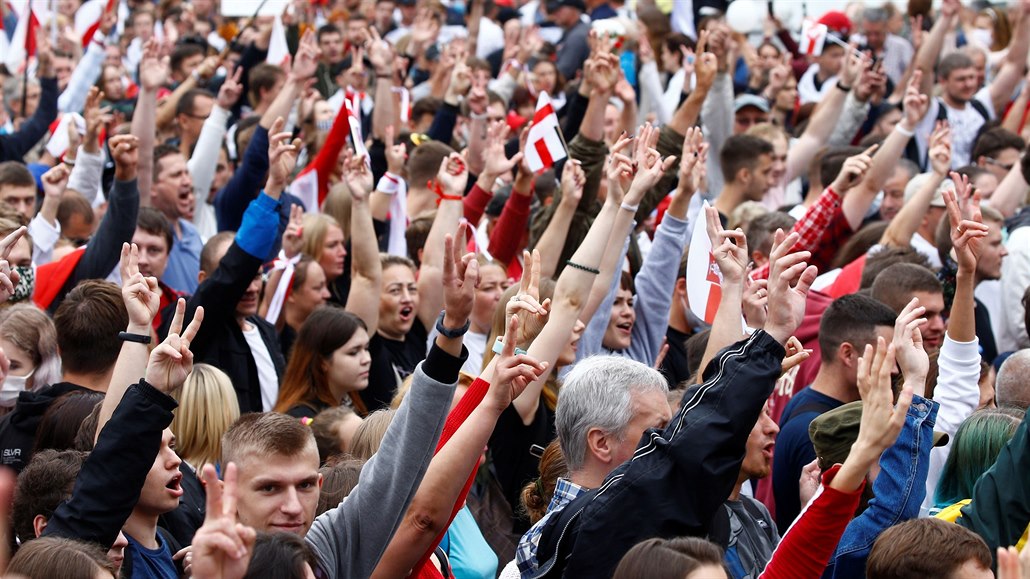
681 475
14 146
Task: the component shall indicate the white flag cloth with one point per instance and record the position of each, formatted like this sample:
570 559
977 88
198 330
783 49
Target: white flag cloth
282 291
357 140
305 187
813 37
58 143
397 188
704 280
544 144
277 48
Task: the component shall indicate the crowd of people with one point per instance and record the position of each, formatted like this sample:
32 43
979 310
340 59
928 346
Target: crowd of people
282 295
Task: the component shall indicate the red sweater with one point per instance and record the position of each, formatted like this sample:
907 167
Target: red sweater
809 543
324 163
507 233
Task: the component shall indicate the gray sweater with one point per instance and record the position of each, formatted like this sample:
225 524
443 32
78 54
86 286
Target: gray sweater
654 285
350 539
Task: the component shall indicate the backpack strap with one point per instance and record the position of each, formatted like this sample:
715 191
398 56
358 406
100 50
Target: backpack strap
980 108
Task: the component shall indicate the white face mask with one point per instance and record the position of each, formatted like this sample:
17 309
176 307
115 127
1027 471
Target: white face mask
982 36
12 387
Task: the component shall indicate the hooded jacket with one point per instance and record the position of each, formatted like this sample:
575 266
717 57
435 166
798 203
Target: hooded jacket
18 429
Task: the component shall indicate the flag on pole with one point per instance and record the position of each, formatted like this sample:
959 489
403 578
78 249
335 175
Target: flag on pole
813 37
544 145
704 280
23 43
354 120
87 10
277 48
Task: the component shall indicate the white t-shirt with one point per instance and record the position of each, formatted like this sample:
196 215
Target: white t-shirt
920 244
964 123
267 377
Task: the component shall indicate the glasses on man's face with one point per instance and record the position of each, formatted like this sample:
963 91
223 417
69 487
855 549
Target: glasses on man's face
997 163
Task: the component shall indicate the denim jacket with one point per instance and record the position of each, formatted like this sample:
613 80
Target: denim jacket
899 490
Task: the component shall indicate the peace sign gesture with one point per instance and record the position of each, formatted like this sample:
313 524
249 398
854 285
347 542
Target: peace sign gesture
8 276
172 361
525 304
140 293
222 547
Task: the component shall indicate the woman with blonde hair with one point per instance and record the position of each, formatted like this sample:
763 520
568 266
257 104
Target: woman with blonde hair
29 340
207 408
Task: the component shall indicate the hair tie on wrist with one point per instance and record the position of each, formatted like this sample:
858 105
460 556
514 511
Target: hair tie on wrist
575 265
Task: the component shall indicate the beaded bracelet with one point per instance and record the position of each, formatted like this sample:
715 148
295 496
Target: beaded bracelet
575 265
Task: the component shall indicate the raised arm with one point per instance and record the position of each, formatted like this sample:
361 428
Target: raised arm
153 72
858 200
384 114
204 159
553 237
166 108
366 271
451 179
1014 65
87 174
824 117
905 224
14 146
730 251
933 43
1012 191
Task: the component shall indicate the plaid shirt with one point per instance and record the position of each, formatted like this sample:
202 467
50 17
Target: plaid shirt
823 230
525 555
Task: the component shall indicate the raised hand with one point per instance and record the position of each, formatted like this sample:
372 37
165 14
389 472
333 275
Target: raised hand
572 181
495 162
692 165
940 149
222 547
790 278
855 63
55 181
796 354
619 170
357 176
293 236
908 343
882 420
513 372
728 247
755 300
380 53
916 104
230 90
125 150
525 304
305 62
649 164
453 175
153 70
8 276
172 361
871 84
460 276
96 117
967 235
854 170
141 294
282 157
461 75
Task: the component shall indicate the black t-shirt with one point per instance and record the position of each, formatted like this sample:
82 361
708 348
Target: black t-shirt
512 462
675 367
392 362
307 409
287 336
984 331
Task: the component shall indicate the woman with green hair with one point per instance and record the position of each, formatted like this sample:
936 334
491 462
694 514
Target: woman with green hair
976 446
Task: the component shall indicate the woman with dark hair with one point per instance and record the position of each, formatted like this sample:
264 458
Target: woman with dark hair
329 365
60 423
683 558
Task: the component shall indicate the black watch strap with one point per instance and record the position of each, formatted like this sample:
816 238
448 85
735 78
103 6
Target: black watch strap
452 333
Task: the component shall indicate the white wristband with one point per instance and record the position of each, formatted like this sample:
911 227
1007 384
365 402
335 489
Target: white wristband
630 208
903 131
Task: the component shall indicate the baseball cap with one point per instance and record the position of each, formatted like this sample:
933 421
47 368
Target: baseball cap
837 22
553 5
834 432
917 182
750 100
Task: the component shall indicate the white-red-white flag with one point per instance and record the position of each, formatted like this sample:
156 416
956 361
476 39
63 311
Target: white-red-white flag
544 145
813 37
89 16
305 186
23 43
704 280
354 120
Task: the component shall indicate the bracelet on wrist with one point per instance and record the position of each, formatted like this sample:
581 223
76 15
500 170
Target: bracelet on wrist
498 347
630 208
903 131
843 87
451 332
137 338
587 269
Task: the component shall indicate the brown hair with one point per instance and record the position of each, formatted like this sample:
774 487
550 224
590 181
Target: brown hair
859 244
370 434
262 77
30 329
154 222
337 205
537 494
887 257
87 324
669 558
208 259
326 428
306 379
896 284
424 162
339 477
60 558
925 547
265 433
60 423
45 482
73 203
15 173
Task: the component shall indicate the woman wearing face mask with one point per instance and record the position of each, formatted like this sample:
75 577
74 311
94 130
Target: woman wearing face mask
29 341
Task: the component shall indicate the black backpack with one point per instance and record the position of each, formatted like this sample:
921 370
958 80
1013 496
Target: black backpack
912 149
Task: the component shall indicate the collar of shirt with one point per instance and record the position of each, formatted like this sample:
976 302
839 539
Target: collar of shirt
565 492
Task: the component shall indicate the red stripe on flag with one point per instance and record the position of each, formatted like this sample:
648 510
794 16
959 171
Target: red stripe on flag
542 113
545 154
30 34
714 296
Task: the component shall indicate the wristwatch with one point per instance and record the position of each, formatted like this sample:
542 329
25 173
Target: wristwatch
452 333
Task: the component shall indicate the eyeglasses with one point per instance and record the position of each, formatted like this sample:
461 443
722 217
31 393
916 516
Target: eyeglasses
997 163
